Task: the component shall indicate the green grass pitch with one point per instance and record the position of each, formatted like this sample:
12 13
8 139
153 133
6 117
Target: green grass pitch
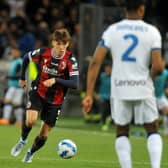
95 148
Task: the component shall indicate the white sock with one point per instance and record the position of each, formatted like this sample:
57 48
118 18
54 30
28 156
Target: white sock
23 141
154 145
7 110
18 114
123 149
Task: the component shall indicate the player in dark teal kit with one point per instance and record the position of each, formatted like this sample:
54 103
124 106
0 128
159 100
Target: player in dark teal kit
13 99
161 91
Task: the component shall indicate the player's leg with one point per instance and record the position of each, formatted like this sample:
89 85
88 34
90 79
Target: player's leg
122 115
8 107
31 118
162 104
149 116
164 109
154 144
39 142
165 124
123 146
18 106
33 107
49 115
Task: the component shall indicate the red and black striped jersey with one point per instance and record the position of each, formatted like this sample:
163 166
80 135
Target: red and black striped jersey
64 69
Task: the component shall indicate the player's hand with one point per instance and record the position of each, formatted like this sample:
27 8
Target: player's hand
49 82
23 83
87 104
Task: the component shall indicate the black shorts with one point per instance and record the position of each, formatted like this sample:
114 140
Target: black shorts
48 112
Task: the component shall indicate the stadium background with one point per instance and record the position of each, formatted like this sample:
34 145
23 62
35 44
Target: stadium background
29 24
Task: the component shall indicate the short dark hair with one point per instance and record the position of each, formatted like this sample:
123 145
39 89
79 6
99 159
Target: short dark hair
61 35
132 5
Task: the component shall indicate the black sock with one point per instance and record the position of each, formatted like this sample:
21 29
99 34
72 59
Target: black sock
38 143
25 131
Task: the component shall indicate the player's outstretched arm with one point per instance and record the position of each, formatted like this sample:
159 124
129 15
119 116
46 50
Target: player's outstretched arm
157 63
92 74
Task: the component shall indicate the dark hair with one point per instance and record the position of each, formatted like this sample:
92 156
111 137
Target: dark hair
132 5
61 35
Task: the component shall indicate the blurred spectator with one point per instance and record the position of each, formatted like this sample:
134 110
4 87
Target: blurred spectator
56 15
46 7
20 34
4 10
72 19
16 6
58 25
3 36
75 40
42 33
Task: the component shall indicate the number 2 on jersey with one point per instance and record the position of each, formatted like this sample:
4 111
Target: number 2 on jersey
127 54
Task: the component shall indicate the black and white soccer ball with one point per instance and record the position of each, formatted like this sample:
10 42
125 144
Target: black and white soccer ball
66 149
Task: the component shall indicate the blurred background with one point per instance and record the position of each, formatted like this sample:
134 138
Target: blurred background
28 24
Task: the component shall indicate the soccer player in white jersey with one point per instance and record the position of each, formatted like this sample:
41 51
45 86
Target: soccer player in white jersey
134 46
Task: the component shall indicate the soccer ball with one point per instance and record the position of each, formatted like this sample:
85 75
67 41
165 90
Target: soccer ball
66 149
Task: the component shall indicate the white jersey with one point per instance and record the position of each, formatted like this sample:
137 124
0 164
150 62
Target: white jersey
131 43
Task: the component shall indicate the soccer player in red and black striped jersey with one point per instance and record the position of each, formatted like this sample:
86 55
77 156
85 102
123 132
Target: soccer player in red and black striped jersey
57 71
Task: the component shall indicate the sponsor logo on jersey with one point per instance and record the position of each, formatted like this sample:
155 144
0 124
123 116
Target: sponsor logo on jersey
122 83
51 71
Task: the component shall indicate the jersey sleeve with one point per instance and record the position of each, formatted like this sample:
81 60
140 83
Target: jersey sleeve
105 40
35 54
73 66
156 42
73 81
30 56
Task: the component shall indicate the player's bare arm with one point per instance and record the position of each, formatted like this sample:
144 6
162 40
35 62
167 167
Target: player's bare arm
157 63
93 71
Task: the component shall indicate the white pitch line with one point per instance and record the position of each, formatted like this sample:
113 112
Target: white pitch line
99 133
86 132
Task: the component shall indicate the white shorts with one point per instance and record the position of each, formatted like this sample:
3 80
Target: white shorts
162 102
14 95
142 111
